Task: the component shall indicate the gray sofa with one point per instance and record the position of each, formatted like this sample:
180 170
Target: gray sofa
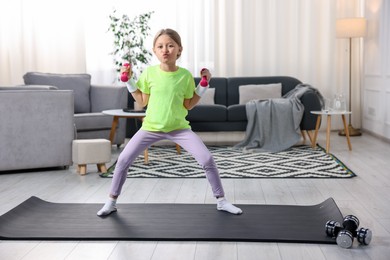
89 102
39 120
225 113
36 129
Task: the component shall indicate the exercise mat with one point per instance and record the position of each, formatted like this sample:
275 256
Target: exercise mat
36 219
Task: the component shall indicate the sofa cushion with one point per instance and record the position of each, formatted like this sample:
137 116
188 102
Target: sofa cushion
233 84
92 121
259 92
79 83
218 127
237 113
208 113
208 97
220 86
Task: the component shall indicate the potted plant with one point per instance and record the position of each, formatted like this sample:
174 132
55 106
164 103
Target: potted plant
129 37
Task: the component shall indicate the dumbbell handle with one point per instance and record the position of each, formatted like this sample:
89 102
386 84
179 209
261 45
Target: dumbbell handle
338 229
351 222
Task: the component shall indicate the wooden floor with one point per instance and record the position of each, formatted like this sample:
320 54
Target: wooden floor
366 196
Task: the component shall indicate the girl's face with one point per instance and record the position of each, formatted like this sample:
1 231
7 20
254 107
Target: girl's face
166 50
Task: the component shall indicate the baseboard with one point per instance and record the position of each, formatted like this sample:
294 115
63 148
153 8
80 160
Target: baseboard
380 137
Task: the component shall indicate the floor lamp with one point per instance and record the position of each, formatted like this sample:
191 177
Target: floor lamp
350 28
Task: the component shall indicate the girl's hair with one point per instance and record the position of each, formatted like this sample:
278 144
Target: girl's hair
172 34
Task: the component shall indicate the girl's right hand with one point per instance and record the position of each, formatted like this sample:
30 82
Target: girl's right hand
126 68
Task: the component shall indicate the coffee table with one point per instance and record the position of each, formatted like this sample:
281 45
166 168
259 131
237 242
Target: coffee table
329 115
119 113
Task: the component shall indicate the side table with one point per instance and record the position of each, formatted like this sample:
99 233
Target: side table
329 115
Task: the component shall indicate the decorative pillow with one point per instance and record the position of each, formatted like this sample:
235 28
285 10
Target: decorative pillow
259 92
79 83
208 97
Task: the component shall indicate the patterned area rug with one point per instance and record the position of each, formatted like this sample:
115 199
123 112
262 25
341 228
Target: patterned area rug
297 162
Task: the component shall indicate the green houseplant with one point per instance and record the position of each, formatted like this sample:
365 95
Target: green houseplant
129 38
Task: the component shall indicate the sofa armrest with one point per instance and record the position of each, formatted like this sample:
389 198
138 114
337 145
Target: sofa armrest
30 87
108 97
311 102
37 128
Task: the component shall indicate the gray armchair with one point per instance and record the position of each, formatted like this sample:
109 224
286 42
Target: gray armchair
89 102
37 127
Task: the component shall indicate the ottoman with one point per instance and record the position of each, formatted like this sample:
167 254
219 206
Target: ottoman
91 151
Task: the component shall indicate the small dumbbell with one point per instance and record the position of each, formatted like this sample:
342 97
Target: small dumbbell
125 74
364 236
203 82
345 234
332 228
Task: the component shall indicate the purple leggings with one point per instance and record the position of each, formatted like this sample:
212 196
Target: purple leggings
187 139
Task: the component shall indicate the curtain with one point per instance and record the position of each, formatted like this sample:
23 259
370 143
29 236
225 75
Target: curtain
230 37
40 35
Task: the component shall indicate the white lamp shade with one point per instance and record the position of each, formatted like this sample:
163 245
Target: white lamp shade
351 28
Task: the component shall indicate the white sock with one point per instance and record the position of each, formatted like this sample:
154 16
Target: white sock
108 208
223 204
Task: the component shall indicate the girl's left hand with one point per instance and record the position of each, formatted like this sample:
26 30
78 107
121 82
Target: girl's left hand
205 72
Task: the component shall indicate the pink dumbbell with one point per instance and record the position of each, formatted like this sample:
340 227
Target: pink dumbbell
203 81
125 74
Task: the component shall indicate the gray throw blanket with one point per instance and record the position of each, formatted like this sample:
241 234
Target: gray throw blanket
273 124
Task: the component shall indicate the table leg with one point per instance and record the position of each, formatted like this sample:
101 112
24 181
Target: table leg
303 135
346 133
146 156
113 128
314 141
328 133
310 134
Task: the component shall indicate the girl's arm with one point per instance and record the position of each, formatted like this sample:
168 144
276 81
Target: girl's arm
191 103
139 97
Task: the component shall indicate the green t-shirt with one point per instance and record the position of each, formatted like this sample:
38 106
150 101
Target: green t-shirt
167 91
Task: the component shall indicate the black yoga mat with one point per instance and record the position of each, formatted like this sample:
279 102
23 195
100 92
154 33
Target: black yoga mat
36 219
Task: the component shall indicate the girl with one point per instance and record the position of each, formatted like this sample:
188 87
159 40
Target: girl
169 92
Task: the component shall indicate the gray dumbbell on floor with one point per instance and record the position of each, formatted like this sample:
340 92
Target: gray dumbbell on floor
345 233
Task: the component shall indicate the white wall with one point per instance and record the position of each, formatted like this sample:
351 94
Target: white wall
376 77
